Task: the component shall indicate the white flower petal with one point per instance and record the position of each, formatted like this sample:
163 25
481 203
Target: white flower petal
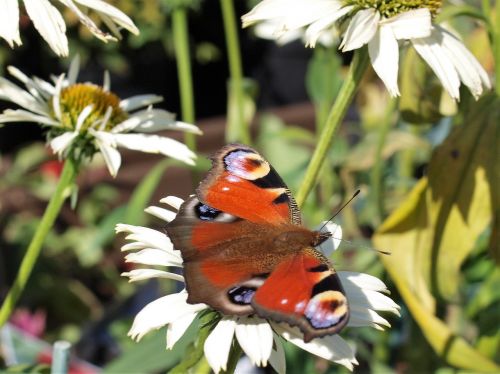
111 156
9 22
173 201
218 344
74 69
415 23
470 71
332 243
60 143
162 311
384 55
332 347
371 300
177 328
83 116
137 275
361 280
20 115
139 101
277 359
152 120
361 29
49 23
87 22
255 337
431 50
316 29
164 214
115 14
153 256
148 237
11 92
56 99
366 317
156 144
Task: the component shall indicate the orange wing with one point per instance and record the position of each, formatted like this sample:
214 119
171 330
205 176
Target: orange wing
304 291
242 183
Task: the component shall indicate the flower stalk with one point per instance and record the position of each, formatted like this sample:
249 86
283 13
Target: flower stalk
67 178
496 47
337 113
239 126
183 58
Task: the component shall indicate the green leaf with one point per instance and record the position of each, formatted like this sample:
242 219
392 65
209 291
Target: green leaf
134 214
435 229
323 78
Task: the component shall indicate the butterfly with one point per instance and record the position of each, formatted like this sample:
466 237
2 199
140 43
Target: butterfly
245 250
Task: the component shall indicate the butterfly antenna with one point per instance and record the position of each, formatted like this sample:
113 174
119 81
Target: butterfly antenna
367 247
347 241
340 209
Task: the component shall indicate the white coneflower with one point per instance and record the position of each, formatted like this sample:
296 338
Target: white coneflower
260 339
84 118
50 23
381 25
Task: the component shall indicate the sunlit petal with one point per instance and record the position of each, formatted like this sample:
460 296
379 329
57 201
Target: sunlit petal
218 344
9 22
255 337
384 55
361 29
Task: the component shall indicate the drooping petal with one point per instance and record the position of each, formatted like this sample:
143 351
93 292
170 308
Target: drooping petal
111 156
332 243
370 299
173 201
177 328
162 311
156 144
431 50
218 344
255 337
412 24
470 71
314 30
384 55
164 214
366 317
103 8
361 29
137 275
87 22
60 143
135 102
56 98
332 347
9 22
49 23
277 359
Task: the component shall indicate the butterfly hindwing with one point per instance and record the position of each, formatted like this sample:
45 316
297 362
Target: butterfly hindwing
304 291
242 183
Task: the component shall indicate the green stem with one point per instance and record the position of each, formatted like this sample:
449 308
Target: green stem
67 178
239 126
335 117
183 58
377 172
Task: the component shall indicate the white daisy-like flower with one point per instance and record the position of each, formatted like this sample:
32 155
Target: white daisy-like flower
260 339
381 25
83 118
50 23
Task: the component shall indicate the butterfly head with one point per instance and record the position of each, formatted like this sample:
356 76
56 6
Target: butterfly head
320 237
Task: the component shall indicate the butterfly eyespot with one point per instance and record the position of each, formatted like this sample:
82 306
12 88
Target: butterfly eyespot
241 295
207 213
246 164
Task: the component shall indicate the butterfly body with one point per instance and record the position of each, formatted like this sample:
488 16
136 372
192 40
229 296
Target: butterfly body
245 250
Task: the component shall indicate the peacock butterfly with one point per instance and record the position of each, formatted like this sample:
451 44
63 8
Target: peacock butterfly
246 252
